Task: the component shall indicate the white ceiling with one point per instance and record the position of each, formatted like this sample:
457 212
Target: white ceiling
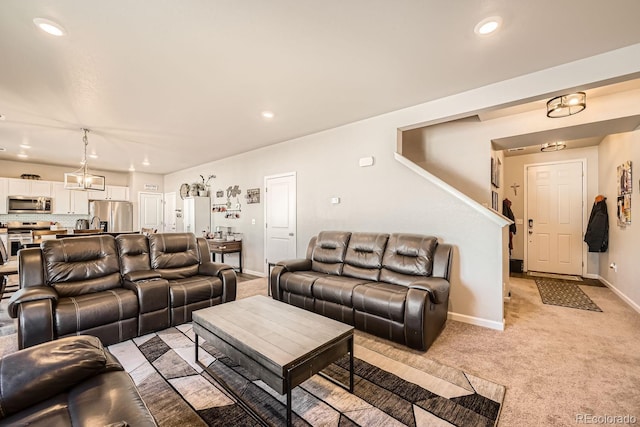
181 83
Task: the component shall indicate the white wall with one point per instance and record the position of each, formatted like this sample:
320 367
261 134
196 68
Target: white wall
624 242
13 169
388 197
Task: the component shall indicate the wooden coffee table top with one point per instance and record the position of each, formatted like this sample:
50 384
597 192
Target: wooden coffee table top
275 333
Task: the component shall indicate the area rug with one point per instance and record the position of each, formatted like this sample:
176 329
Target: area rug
178 392
554 276
564 294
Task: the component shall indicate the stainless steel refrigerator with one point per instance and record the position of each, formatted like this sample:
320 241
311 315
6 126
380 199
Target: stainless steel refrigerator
116 216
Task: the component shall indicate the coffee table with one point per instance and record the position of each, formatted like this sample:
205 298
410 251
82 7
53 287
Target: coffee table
281 344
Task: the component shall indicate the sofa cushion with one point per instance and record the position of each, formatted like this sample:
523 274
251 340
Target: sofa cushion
133 250
328 253
38 373
407 257
194 289
81 265
381 299
299 282
363 258
338 289
84 312
174 255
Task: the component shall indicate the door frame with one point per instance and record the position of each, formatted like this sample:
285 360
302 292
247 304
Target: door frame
264 216
583 162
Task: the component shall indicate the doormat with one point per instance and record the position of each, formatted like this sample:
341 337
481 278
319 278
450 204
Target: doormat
555 276
178 392
564 294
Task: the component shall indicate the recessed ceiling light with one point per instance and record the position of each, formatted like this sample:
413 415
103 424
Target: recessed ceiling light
92 156
22 155
25 146
2 117
3 149
49 27
268 114
145 163
132 169
488 26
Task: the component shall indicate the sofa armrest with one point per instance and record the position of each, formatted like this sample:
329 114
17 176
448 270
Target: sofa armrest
33 293
135 276
212 268
438 289
38 373
291 265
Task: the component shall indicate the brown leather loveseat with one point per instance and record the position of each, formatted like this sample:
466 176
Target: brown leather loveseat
393 286
73 381
115 288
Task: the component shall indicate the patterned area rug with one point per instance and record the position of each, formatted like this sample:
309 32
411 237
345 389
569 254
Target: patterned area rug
565 294
178 392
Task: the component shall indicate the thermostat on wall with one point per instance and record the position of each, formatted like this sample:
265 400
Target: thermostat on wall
366 161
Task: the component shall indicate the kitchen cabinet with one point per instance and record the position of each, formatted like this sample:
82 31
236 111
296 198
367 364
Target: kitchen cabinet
111 192
4 192
69 202
29 187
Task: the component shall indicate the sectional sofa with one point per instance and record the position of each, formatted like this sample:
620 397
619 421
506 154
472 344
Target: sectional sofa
115 288
393 286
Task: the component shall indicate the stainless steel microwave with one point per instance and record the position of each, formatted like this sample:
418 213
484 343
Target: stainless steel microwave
27 204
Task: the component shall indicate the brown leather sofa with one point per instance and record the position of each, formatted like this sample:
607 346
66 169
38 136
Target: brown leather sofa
67 382
115 288
393 286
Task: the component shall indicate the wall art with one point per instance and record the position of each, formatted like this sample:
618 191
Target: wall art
253 195
623 209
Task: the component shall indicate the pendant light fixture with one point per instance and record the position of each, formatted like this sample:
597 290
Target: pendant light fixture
566 105
81 179
553 146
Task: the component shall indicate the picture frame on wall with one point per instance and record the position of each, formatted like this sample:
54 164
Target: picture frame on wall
494 201
495 171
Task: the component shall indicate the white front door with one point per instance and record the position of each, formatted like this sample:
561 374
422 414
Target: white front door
150 213
280 218
554 218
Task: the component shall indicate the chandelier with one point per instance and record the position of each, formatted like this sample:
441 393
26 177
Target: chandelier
566 105
81 179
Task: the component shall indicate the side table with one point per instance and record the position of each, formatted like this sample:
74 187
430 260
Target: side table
226 247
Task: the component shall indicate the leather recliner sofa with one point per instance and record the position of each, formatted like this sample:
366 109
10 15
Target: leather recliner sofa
393 286
67 382
115 289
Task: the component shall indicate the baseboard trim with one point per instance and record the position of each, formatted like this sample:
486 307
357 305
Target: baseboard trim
491 324
622 296
592 276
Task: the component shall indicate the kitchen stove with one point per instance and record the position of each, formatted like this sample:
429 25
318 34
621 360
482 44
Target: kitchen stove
19 233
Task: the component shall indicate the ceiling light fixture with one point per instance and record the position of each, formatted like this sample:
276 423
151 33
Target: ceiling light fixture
2 117
132 169
22 155
81 179
145 162
553 146
25 146
3 149
566 105
49 27
488 26
268 114
93 156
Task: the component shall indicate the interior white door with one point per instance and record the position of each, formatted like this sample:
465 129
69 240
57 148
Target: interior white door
150 212
280 218
554 215
169 218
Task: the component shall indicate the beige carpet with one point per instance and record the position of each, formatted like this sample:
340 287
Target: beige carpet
555 362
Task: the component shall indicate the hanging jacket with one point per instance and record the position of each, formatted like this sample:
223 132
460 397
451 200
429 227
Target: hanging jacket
597 235
506 211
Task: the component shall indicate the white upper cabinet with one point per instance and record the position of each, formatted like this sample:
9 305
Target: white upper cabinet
69 202
111 192
29 187
4 192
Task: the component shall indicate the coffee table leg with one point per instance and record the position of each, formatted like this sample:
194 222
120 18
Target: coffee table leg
196 347
288 398
351 364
